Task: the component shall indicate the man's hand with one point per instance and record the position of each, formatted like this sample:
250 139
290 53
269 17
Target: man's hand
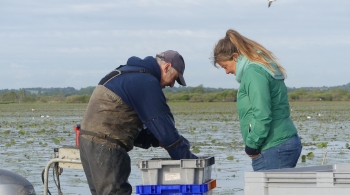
146 139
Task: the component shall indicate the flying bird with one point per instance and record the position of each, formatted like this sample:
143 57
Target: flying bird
270 2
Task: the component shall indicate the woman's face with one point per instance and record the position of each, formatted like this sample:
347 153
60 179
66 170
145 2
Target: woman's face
229 66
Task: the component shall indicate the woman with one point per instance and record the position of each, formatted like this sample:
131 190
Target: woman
270 137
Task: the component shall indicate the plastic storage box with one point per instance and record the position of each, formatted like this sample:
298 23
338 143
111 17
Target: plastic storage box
186 189
320 180
164 171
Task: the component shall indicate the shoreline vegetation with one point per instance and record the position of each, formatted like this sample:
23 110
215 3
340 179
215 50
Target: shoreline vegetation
175 94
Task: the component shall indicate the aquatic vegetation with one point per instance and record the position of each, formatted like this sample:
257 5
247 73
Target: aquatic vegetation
310 155
195 150
27 140
322 145
21 132
7 132
56 141
229 158
303 158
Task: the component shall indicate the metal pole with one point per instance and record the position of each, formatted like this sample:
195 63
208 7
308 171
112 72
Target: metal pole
46 172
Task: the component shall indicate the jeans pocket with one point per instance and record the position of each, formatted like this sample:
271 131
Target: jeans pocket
258 163
288 157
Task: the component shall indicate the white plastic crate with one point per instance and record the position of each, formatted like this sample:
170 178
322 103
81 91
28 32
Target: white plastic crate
163 171
320 180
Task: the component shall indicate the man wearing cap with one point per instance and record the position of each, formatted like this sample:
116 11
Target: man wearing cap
128 108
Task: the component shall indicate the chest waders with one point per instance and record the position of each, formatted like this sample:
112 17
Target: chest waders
116 72
108 129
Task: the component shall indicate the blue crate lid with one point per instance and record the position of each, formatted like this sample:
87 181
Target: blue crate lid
181 189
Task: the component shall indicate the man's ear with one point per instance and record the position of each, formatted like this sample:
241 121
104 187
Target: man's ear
167 67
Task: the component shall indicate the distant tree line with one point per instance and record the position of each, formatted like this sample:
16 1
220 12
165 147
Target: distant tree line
200 94
336 94
68 94
345 87
185 94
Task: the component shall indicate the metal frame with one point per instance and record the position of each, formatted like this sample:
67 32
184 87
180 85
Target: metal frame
46 172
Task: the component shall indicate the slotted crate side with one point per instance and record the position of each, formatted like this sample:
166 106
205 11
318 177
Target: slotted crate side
186 171
175 175
185 189
320 180
201 162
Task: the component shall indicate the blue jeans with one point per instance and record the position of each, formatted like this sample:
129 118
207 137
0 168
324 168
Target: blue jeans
284 155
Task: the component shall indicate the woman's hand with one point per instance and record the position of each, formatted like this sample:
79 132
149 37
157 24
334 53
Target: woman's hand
251 151
254 156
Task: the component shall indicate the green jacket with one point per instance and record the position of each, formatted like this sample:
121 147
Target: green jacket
263 109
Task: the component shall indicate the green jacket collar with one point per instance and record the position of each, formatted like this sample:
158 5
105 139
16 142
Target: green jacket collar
243 63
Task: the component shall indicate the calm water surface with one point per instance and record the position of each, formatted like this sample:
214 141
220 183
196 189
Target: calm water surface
30 132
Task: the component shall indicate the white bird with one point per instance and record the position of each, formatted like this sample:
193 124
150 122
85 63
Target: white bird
270 2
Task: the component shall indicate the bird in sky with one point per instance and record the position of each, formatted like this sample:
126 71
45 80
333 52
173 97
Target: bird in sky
270 2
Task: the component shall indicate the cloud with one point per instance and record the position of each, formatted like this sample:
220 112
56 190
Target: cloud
90 37
16 66
88 50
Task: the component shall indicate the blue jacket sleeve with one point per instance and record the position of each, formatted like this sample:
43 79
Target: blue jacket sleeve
144 94
163 128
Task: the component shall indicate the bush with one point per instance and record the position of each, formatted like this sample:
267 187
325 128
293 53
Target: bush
78 99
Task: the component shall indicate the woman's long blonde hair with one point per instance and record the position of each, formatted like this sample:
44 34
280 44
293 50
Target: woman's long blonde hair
234 42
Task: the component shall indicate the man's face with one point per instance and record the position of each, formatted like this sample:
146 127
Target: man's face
168 75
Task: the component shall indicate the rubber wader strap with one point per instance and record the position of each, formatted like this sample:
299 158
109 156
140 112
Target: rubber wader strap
103 136
172 146
116 72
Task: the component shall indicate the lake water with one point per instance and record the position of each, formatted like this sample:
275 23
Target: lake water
30 132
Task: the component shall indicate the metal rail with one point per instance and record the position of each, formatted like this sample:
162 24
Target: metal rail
46 172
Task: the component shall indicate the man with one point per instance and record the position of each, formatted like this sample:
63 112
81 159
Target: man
126 100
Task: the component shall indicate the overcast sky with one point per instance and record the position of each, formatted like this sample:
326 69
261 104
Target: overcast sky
74 43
